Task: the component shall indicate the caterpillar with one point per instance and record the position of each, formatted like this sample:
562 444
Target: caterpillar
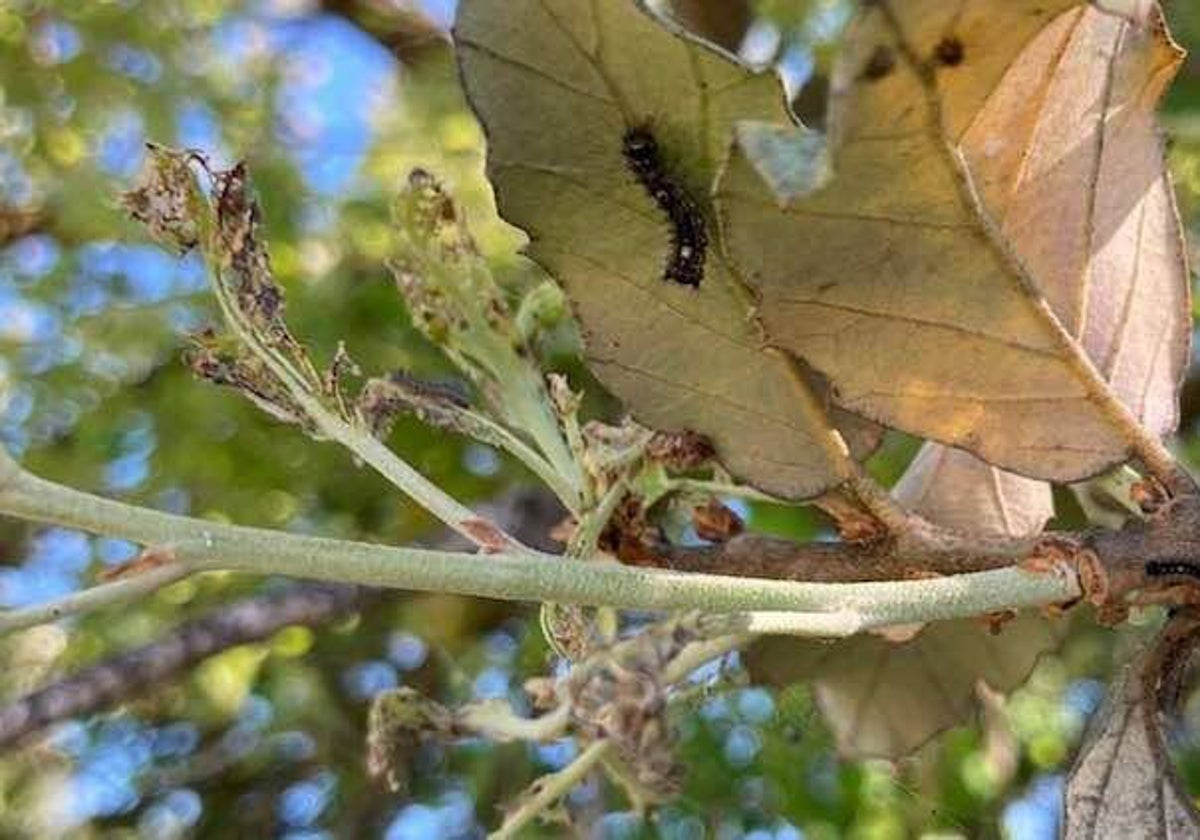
1165 568
689 237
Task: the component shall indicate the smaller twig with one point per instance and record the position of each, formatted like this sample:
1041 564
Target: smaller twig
587 536
702 652
551 788
496 720
116 592
487 430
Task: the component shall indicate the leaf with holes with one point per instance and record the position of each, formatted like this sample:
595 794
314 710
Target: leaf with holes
605 129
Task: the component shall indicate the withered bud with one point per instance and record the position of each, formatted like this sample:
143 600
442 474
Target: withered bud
247 374
618 694
341 367
680 451
716 523
399 721
167 198
435 402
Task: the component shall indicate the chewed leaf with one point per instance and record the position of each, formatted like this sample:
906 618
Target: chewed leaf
1069 160
890 281
605 130
1123 784
792 161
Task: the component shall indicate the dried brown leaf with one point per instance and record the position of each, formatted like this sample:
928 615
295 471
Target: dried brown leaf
885 699
1123 784
1068 158
954 489
1100 232
890 280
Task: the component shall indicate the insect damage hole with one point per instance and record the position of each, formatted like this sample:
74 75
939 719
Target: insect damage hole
689 237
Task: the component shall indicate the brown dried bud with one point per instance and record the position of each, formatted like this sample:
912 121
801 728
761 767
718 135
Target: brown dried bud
716 523
684 450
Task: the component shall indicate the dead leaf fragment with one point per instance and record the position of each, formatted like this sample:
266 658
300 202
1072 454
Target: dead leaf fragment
956 490
1123 784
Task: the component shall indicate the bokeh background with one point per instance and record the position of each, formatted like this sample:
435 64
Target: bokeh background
331 102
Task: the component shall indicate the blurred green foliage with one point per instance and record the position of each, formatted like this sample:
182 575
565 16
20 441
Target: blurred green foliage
266 739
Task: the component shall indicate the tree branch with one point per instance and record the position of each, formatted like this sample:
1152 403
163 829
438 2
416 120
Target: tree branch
527 515
142 668
525 574
407 34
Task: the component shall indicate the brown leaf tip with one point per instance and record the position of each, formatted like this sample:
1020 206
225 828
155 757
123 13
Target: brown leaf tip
716 523
163 199
1150 496
486 535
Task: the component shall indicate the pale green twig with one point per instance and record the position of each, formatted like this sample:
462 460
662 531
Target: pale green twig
549 789
496 720
119 591
587 535
523 574
720 488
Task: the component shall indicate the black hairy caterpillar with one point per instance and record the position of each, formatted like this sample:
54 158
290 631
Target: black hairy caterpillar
689 238
1166 568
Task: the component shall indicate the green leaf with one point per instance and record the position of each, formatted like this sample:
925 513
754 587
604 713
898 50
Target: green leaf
558 84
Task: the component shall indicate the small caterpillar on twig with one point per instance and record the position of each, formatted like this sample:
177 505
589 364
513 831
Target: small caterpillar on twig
1166 568
689 238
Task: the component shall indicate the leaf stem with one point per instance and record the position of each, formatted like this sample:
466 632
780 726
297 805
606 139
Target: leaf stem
496 720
